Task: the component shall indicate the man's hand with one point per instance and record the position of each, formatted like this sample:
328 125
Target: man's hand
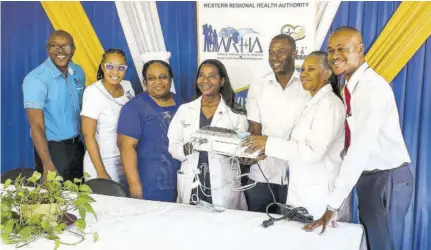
255 143
49 167
323 221
136 191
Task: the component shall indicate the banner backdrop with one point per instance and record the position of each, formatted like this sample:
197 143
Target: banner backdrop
239 34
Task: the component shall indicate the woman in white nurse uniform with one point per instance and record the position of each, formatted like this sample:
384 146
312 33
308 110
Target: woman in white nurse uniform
101 107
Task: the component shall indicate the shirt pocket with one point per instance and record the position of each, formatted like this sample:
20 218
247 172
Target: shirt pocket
79 86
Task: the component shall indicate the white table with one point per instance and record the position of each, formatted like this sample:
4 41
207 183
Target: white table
125 223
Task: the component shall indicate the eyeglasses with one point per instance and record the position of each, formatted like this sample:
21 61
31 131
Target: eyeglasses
57 47
160 78
111 66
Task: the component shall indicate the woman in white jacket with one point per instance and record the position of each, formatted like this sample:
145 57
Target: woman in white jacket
316 142
207 176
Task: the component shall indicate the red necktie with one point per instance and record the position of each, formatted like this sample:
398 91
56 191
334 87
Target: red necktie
346 124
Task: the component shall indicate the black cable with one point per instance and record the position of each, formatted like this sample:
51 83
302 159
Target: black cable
299 214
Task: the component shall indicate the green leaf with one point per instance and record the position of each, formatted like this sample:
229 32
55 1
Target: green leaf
95 237
87 175
7 183
59 178
52 236
80 223
76 180
86 198
90 209
5 210
35 219
58 229
32 180
85 188
51 175
75 188
6 239
25 232
36 175
8 227
44 224
68 185
57 244
20 194
82 212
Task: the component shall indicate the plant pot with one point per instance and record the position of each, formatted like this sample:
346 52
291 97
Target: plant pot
49 211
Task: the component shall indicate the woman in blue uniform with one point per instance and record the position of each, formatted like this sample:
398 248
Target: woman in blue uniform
142 137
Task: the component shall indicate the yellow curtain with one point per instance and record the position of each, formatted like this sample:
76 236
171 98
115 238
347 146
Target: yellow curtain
71 17
402 36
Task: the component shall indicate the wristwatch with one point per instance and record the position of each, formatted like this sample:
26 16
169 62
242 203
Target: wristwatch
331 209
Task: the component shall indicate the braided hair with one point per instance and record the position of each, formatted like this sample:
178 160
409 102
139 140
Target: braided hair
108 52
333 79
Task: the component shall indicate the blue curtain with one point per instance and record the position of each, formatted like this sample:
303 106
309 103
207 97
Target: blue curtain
412 88
178 21
23 42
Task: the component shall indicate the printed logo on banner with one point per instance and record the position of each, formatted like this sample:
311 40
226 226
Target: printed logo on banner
231 43
297 32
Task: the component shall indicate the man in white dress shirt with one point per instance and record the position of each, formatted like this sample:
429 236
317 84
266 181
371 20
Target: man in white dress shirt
376 159
273 105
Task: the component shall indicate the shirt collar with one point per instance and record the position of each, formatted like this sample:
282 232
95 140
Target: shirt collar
351 84
295 77
320 94
55 72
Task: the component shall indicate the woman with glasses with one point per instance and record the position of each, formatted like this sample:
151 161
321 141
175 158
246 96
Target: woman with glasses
101 107
207 177
142 137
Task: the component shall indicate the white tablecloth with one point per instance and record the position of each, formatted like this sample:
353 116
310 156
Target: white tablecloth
125 223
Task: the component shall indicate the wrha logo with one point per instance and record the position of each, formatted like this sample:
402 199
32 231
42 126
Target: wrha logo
244 40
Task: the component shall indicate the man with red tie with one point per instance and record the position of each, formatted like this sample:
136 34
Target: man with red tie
375 156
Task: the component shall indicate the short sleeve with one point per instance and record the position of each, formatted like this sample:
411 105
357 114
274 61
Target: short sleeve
253 112
35 93
129 121
128 88
91 103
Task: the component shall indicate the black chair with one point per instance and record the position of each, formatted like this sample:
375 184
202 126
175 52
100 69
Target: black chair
14 173
107 187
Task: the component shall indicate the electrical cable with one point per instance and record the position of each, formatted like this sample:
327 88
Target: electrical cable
288 212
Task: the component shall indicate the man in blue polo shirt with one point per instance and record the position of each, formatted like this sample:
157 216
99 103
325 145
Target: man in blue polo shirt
52 98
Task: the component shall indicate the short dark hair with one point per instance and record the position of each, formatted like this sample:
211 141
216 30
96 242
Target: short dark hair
109 51
289 39
148 64
226 90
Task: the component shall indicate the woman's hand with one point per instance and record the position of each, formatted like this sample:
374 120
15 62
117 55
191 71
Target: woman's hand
136 191
255 143
103 175
188 148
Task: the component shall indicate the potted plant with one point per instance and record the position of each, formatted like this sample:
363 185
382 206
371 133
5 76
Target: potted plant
33 208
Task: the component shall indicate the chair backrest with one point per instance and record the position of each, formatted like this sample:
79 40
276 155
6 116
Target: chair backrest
107 187
14 173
